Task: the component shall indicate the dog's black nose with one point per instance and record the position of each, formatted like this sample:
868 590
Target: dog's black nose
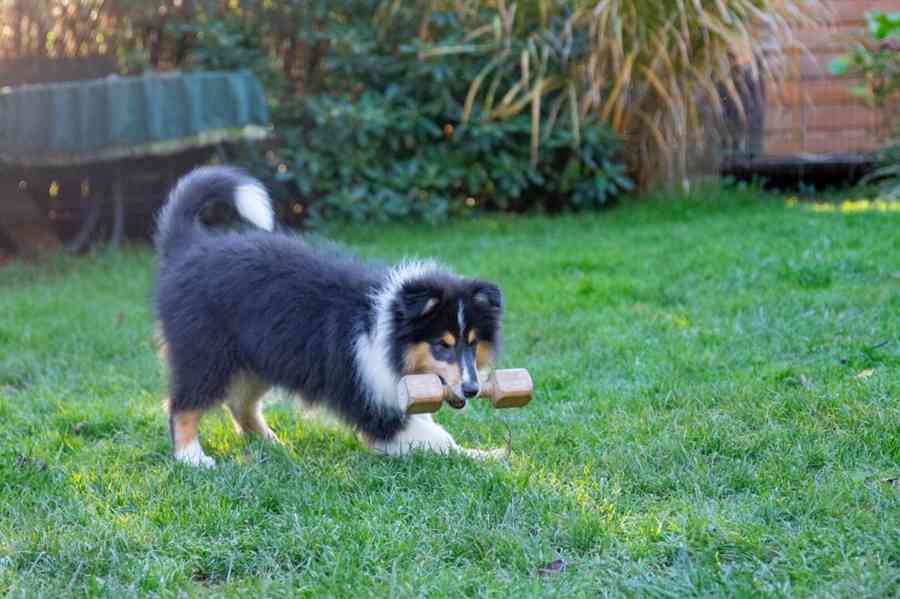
470 390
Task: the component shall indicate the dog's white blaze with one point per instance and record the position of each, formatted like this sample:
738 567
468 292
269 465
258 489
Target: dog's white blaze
372 351
254 204
468 372
465 369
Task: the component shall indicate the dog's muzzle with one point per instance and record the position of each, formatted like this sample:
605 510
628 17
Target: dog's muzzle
459 394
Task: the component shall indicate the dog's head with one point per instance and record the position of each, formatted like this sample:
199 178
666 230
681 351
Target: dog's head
450 327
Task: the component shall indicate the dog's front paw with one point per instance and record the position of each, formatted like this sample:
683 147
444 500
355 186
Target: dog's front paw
499 454
421 432
399 447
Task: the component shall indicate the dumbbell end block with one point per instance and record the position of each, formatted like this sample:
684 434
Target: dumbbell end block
422 393
510 388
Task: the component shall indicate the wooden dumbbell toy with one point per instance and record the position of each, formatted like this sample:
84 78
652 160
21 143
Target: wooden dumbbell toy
424 393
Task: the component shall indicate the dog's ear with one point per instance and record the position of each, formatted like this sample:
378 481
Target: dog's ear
419 299
487 294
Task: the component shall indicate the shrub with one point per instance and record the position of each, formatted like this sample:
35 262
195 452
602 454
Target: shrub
385 135
876 60
374 158
659 72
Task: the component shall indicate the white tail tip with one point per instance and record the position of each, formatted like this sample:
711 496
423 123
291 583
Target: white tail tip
254 204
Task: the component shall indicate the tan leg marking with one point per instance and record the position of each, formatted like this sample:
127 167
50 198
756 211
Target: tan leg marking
244 401
184 428
185 443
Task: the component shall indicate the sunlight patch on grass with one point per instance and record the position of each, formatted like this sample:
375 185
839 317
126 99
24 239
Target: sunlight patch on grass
848 206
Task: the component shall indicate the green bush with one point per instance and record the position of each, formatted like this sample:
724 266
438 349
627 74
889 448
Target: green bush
383 135
379 157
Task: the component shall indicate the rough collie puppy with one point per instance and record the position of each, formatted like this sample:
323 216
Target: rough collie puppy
240 312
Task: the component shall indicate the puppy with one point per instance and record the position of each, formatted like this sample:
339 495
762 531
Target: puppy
242 311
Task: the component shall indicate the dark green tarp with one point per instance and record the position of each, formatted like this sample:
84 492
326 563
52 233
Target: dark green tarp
119 117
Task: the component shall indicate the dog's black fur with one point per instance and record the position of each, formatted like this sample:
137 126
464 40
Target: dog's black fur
267 303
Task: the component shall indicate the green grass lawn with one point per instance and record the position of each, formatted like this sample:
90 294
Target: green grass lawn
716 414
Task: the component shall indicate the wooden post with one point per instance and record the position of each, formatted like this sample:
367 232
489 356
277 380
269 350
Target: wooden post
118 203
24 223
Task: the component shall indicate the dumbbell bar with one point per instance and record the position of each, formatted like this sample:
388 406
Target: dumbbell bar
424 393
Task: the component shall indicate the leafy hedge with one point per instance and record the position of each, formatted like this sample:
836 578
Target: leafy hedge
382 135
380 156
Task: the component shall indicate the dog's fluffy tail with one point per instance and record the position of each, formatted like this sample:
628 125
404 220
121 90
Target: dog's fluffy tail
204 186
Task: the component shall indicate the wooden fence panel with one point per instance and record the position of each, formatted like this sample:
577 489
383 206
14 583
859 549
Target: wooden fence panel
814 112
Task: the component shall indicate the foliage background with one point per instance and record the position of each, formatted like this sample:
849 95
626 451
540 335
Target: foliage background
377 126
386 108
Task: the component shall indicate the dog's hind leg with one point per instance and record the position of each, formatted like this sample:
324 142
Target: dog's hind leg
183 426
244 401
196 386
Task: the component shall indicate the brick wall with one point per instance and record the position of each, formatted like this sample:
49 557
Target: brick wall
814 112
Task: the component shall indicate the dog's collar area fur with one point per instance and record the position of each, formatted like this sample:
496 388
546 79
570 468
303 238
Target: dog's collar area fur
373 348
